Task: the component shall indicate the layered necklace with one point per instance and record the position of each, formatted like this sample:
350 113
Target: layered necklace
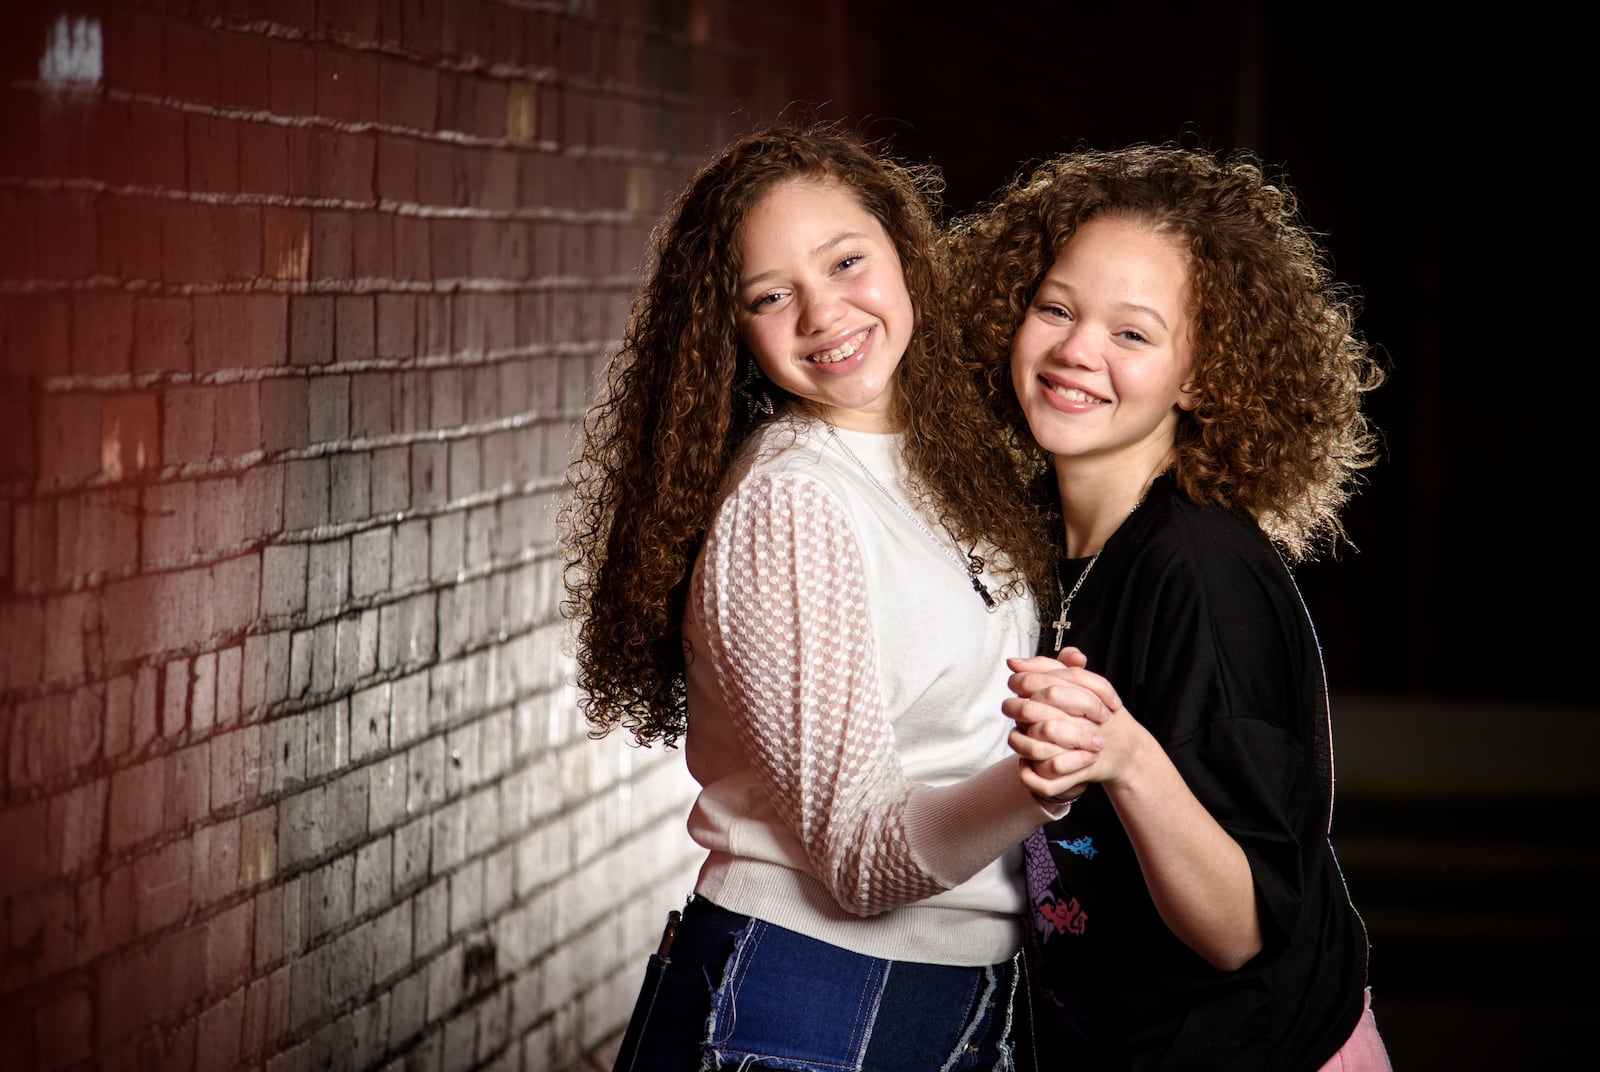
970 563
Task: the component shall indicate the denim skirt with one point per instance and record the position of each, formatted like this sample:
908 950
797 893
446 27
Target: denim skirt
731 991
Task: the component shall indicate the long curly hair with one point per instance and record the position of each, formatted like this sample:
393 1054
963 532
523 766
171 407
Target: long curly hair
673 411
1279 434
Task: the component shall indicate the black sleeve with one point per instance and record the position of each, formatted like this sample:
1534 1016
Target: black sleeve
1230 681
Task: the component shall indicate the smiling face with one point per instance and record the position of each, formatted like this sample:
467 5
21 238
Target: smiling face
822 302
1101 355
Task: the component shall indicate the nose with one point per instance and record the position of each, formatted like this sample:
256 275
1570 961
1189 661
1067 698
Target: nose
820 309
1077 347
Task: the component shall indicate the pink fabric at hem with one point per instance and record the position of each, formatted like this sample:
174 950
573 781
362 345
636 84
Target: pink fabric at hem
1364 1050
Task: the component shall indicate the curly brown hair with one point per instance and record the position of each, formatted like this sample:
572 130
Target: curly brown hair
672 412
1279 433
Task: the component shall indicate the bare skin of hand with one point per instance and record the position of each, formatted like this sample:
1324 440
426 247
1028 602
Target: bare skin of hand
1057 709
1197 875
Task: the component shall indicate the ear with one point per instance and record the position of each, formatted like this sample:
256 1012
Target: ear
1188 396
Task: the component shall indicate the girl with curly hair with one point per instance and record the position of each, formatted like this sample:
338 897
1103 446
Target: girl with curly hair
795 542
1163 333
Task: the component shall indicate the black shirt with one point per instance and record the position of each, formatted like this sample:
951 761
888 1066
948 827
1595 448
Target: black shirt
1194 618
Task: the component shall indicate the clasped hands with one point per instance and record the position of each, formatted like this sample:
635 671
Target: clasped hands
1063 714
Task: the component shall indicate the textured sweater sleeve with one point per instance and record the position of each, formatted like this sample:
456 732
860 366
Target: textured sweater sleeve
784 609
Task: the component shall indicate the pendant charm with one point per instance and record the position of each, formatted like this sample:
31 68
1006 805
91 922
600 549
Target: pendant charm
1062 622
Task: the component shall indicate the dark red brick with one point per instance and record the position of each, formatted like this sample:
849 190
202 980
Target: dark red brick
142 145
396 178
245 81
413 250
69 246
345 164
373 240
264 158
310 330
408 94
469 175
418 25
163 335
69 427
332 253
136 805
64 1029
186 254
188 790
346 85
37 336
17 254
239 331
130 238
188 424
27 29
220 1033
23 845
238 419
450 244
134 48
236 242
292 70
178 977
507 34
229 942
458 102
18 458
102 333
355 19
499 175
437 175
212 151
190 62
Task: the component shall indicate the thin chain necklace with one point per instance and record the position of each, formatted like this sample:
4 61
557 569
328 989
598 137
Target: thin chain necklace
972 567
1062 624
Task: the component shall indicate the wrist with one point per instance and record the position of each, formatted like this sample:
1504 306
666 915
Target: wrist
1057 806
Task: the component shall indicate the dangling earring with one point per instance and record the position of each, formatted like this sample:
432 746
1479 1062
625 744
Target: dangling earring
755 398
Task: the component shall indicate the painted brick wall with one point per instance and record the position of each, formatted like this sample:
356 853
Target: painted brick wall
299 304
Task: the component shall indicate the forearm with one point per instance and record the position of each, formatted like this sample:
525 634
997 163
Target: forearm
957 830
1197 875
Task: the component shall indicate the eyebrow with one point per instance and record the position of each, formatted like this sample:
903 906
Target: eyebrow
836 240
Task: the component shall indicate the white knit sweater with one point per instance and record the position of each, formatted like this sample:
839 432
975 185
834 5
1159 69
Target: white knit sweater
844 691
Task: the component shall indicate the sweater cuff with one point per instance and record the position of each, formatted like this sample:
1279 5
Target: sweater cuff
957 830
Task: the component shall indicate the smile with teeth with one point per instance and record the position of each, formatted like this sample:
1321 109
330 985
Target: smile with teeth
846 349
1071 394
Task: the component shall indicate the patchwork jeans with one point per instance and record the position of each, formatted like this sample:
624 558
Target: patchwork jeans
728 991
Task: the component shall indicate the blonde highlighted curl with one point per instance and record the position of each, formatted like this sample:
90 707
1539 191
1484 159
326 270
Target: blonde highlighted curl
672 411
1278 434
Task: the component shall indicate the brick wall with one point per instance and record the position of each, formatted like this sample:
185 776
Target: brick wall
299 304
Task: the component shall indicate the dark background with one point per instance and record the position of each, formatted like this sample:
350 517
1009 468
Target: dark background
1412 135
1435 151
